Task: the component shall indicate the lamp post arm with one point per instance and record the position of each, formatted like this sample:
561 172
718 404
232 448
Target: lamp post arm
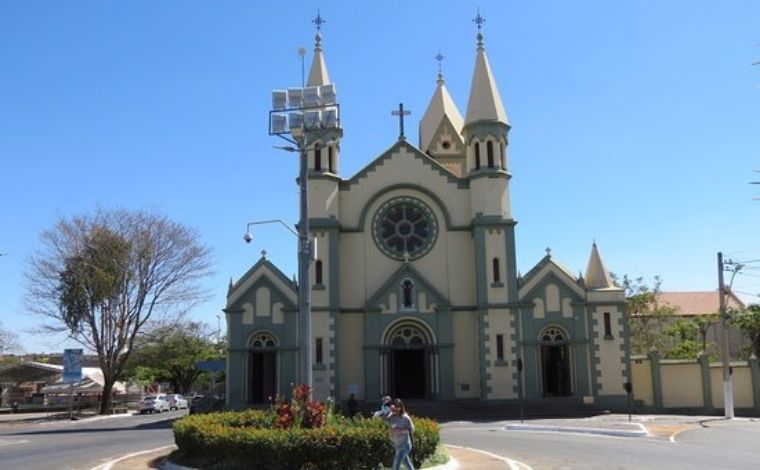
272 221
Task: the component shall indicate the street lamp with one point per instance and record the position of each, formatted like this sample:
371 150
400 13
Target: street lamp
304 117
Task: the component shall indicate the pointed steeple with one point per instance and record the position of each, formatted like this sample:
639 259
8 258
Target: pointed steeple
441 106
318 72
485 102
597 276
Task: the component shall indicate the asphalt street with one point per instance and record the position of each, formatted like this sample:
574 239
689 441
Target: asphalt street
81 445
709 445
672 443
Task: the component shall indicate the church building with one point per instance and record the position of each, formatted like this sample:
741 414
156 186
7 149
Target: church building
414 287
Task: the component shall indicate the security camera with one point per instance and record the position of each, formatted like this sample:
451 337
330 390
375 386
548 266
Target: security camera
247 237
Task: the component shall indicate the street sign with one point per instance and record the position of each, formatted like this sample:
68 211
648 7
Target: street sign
72 366
210 366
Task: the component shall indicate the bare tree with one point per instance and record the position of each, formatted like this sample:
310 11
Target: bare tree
102 277
8 341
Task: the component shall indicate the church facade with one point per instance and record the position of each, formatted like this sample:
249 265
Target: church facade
415 290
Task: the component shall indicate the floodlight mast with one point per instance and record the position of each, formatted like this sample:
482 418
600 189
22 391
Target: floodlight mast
288 121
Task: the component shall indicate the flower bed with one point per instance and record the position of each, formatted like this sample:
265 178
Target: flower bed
303 435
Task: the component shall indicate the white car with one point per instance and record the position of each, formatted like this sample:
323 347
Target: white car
154 404
176 401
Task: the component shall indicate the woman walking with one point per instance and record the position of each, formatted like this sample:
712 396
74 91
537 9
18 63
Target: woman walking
401 429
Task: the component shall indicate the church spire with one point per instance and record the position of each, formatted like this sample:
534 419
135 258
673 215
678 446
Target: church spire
597 276
440 108
485 102
318 72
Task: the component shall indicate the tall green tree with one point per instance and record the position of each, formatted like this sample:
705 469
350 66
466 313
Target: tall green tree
101 277
170 353
748 321
646 317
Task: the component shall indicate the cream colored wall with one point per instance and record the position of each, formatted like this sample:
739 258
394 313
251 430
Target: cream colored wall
466 354
404 168
610 354
321 297
352 266
320 328
641 378
500 382
351 354
495 244
741 381
681 384
448 266
324 198
489 197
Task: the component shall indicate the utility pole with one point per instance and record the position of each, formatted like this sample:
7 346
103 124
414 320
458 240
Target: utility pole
728 389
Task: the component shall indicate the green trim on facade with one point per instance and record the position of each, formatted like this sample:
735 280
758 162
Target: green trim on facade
346 185
654 363
754 365
704 369
483 129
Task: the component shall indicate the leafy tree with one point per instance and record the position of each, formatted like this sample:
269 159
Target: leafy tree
170 352
100 278
748 321
685 344
646 317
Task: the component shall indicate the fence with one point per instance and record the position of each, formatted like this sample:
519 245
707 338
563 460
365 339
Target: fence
693 385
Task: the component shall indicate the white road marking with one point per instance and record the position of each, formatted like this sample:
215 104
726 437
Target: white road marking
513 464
10 441
109 465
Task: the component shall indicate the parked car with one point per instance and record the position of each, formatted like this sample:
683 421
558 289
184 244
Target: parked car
177 401
154 404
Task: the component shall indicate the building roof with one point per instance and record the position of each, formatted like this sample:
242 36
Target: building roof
485 101
597 276
318 72
441 105
697 302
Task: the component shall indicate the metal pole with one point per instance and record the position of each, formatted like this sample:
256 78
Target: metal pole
304 259
728 392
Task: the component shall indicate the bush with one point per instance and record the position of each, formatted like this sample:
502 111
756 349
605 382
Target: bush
253 439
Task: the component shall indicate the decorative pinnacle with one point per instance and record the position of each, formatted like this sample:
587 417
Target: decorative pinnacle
439 57
479 20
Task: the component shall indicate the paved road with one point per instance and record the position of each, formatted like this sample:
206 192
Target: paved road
716 444
81 445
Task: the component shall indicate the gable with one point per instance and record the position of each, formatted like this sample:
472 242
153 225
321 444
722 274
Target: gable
389 298
548 272
263 272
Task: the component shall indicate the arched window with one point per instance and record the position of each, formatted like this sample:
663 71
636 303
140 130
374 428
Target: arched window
330 159
489 153
496 271
477 155
263 340
318 272
407 293
503 157
552 335
317 158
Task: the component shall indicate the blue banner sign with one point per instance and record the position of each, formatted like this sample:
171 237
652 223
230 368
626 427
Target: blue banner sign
72 366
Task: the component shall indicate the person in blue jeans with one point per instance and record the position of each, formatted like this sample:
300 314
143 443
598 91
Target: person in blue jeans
401 429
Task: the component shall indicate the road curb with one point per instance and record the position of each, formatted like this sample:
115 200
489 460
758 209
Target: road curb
579 430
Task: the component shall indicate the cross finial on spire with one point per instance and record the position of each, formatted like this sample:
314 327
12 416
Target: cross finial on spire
439 57
264 254
479 20
318 21
548 251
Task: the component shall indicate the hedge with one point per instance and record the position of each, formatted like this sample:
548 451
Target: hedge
250 439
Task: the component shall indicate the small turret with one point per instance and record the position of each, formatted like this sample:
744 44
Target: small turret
597 276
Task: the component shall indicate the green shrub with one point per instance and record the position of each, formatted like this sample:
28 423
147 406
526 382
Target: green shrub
252 439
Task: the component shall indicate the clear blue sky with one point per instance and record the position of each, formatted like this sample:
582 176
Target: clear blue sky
634 123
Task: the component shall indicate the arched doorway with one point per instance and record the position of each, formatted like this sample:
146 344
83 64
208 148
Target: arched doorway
410 362
262 368
555 362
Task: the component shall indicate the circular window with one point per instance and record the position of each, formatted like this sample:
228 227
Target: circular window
446 145
405 227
